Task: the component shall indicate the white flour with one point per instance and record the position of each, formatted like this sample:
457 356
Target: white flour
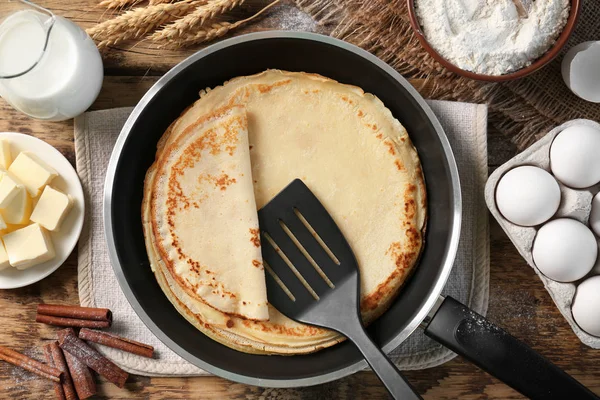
488 36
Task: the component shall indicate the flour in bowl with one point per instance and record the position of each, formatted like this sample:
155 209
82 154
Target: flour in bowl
488 36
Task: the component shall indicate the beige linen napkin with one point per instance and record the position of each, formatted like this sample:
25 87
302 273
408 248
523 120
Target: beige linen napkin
95 135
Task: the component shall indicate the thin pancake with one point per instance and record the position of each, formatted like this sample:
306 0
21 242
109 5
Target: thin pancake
359 161
204 217
272 337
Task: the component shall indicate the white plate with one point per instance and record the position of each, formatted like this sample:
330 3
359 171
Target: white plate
65 240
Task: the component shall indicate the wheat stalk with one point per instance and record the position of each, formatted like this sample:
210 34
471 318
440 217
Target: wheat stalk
136 23
196 18
214 31
118 3
155 2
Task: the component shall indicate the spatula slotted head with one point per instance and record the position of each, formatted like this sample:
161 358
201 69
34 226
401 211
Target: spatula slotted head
310 268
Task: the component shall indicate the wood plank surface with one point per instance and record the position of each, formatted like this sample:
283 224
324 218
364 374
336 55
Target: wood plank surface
518 300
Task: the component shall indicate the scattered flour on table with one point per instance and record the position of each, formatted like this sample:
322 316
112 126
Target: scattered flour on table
488 36
290 18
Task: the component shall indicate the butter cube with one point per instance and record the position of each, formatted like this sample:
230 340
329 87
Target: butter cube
51 208
32 171
18 210
9 188
3 225
28 246
5 156
3 257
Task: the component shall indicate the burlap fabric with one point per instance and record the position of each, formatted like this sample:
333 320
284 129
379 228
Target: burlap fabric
523 110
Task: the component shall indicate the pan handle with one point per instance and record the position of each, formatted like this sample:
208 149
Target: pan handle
497 352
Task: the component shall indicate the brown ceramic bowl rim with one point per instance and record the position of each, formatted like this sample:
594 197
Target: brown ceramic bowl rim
536 65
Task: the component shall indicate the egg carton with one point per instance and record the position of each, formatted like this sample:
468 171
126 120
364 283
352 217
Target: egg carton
575 204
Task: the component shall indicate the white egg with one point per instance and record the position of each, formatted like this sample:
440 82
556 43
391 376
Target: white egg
574 156
565 250
595 215
581 70
586 306
527 196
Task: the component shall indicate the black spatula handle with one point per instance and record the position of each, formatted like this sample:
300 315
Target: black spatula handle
387 372
495 351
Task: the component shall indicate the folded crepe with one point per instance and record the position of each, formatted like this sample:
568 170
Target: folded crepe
204 219
352 153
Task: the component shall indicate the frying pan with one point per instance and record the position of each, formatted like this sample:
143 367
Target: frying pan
419 300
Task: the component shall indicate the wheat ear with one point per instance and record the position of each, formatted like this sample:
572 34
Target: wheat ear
198 17
214 31
136 23
118 3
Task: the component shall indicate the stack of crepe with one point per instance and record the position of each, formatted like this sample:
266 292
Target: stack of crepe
231 152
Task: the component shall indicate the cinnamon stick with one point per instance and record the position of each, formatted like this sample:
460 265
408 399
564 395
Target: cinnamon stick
59 310
58 387
72 322
56 358
70 343
117 342
82 377
31 365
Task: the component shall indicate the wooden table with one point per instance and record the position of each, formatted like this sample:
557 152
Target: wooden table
518 300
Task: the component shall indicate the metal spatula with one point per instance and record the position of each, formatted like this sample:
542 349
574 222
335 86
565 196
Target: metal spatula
312 275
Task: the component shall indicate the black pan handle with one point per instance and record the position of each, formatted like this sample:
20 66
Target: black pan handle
497 352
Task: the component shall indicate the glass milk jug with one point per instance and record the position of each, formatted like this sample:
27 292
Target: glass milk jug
49 67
